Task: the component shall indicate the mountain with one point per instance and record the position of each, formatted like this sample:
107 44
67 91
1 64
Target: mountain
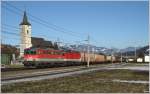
129 49
92 48
107 51
144 50
140 52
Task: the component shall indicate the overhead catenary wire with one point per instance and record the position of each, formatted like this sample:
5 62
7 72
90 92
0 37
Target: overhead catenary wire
9 26
12 33
4 31
10 29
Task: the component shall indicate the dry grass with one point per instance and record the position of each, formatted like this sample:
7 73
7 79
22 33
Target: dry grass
84 83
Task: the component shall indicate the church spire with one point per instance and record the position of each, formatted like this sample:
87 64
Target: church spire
25 20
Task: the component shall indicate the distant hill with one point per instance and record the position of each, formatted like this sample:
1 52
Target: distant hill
129 49
83 48
139 52
108 51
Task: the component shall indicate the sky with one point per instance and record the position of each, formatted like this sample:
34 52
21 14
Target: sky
118 24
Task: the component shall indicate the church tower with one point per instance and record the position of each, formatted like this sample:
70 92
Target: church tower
25 28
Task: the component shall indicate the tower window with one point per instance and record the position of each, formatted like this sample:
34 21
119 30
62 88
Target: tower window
27 31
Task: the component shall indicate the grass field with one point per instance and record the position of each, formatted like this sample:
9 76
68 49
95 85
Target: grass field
85 83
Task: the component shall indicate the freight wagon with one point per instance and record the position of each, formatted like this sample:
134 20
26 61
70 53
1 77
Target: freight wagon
93 58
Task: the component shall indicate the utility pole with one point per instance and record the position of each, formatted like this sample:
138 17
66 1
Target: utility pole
58 42
2 39
77 44
111 55
121 56
135 54
88 51
84 54
93 53
126 57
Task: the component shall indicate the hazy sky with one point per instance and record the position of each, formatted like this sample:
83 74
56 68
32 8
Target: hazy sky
109 24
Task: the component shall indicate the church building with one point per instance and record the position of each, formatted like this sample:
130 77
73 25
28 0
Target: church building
25 28
27 40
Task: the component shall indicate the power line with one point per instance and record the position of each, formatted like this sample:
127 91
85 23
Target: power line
13 28
10 26
10 37
15 34
54 27
30 19
17 13
4 31
42 22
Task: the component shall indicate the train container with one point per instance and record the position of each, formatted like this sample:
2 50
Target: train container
113 59
94 58
100 58
84 57
110 58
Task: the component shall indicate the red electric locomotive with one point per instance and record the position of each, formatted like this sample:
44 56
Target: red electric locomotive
47 57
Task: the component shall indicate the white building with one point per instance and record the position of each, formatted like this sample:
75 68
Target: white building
25 28
139 59
147 58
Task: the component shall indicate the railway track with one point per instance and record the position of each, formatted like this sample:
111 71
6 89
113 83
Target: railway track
35 74
55 74
10 74
34 68
14 69
26 68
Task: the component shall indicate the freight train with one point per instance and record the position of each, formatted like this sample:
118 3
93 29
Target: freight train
38 57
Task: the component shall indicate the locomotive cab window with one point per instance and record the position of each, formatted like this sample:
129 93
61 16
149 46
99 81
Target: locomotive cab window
32 52
26 52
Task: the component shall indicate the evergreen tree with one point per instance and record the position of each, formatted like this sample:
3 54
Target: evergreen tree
55 45
141 54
